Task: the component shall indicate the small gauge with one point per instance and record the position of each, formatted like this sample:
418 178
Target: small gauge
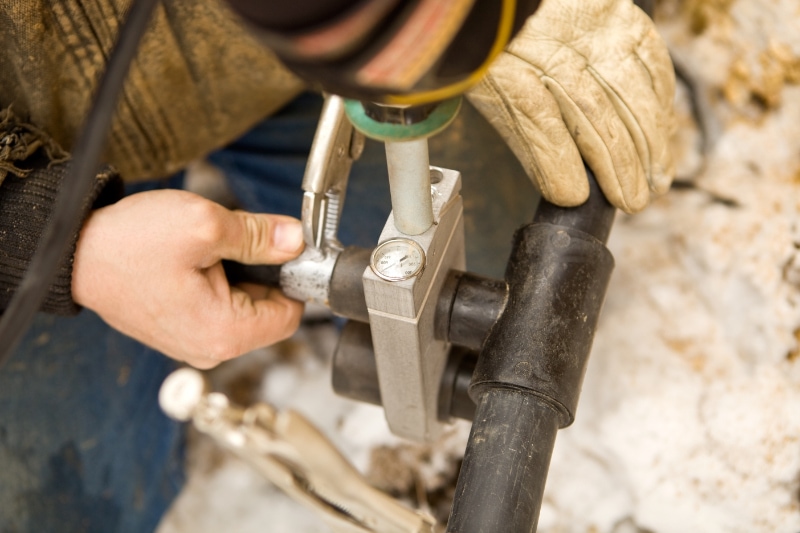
397 259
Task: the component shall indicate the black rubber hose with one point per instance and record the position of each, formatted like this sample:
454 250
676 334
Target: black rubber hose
77 185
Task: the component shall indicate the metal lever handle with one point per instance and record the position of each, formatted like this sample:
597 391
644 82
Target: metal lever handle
336 145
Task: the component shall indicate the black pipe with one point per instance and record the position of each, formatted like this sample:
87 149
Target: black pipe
355 373
528 376
510 444
346 297
269 275
454 399
595 217
467 308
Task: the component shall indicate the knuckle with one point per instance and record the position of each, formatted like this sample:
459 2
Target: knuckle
207 225
222 349
203 364
292 315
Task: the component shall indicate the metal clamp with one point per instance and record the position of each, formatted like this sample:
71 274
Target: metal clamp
290 452
336 145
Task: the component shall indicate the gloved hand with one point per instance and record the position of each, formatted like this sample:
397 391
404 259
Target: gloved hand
591 79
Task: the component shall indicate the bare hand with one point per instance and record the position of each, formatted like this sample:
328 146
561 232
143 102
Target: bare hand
150 266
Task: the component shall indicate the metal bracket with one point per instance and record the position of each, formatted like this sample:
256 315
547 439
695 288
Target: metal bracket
409 357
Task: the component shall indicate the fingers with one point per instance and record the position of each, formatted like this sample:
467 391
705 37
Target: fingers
516 103
255 238
601 127
252 317
602 137
640 113
641 85
150 266
263 321
654 56
610 74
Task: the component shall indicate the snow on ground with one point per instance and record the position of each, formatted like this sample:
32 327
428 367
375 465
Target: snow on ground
689 419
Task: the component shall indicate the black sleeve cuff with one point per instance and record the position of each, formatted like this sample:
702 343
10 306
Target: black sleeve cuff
26 204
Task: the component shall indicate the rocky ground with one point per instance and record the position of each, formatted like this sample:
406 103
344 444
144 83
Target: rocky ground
689 419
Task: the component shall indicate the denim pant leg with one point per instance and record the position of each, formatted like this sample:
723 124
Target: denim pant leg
84 446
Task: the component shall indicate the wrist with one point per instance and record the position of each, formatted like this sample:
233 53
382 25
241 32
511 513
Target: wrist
80 283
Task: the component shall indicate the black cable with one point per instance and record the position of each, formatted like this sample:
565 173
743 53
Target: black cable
77 185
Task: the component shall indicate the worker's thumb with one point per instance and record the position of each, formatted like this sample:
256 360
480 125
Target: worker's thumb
257 239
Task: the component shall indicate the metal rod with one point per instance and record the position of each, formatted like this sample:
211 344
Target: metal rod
410 185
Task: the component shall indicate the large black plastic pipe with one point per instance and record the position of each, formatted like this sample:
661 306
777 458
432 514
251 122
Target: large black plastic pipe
529 374
512 439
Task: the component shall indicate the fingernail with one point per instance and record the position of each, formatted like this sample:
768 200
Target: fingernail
288 236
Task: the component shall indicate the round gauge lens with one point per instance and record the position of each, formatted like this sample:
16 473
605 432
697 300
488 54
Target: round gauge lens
397 259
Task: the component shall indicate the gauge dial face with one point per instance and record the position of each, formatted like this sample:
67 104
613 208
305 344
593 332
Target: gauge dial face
397 259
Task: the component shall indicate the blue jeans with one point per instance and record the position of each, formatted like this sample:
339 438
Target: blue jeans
84 446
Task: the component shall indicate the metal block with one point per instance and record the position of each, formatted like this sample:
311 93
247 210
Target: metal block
410 360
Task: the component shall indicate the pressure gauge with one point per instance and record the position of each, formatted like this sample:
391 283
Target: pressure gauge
397 259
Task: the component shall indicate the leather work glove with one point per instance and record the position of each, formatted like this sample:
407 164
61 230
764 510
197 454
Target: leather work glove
590 79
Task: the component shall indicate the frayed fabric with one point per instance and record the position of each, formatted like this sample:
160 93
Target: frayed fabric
19 141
